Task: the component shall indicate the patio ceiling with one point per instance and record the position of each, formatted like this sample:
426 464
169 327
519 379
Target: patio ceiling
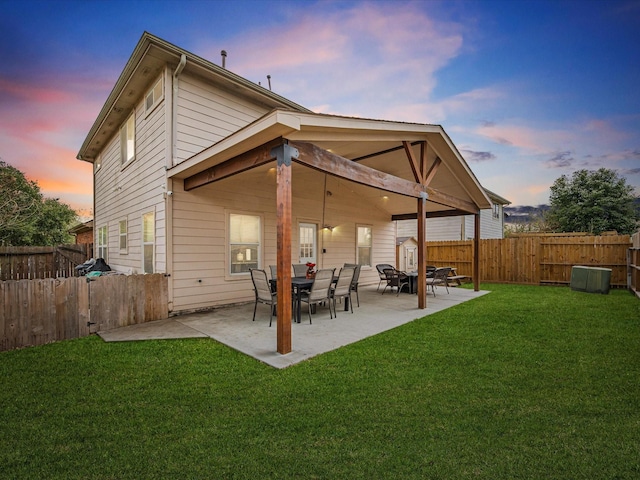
372 155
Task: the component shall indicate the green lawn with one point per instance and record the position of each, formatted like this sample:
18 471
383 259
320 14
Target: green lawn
526 382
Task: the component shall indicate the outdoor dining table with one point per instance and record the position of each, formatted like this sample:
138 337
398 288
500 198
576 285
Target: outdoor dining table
300 284
413 280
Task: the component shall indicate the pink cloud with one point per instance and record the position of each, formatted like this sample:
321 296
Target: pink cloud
347 60
533 140
32 93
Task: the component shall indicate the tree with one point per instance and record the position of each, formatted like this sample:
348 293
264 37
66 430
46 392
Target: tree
26 217
594 202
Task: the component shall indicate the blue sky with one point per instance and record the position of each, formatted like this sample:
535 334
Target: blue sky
528 90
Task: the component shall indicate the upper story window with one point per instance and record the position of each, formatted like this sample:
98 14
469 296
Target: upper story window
128 139
496 210
154 96
364 245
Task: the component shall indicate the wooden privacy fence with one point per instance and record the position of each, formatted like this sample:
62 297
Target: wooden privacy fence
17 263
35 312
634 264
535 259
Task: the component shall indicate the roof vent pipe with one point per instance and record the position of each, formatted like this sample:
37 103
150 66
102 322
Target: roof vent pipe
224 58
269 80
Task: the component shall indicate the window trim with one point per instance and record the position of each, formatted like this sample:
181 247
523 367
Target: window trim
370 246
125 235
102 242
124 140
145 243
228 274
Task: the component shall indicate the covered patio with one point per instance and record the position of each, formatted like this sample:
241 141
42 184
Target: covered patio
233 327
393 170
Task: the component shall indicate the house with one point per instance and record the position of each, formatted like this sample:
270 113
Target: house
83 232
201 175
462 227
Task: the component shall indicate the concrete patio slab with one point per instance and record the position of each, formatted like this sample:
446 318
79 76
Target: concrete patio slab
233 327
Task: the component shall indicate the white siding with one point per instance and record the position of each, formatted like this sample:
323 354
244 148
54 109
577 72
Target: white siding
455 228
126 193
200 276
205 114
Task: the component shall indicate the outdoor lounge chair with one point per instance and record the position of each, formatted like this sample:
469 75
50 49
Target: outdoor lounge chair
440 277
380 267
343 288
395 278
263 292
320 290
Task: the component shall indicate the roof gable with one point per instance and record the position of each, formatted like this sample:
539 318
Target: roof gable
149 58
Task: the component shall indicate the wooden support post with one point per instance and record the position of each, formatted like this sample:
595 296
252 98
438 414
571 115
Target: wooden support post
476 252
422 252
283 154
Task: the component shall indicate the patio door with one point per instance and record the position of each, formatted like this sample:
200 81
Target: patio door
308 242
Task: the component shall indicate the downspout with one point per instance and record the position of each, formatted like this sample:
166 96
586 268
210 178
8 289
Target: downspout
170 162
174 109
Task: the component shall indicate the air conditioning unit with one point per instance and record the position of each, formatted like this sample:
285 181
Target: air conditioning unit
590 279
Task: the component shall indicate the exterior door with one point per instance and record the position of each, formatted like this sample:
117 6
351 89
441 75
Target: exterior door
308 242
410 259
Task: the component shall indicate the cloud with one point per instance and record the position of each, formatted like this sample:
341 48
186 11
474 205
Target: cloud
531 139
372 59
560 160
477 157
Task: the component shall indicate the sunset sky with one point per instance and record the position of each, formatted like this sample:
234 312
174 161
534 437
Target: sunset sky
527 90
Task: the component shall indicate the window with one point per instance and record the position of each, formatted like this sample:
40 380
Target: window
103 243
128 139
244 242
496 210
123 236
307 242
148 241
154 96
363 245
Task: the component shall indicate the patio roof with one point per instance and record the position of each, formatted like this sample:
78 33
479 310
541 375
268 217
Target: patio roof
375 155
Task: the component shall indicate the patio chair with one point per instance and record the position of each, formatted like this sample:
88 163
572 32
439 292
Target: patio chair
299 270
263 292
343 288
440 277
320 290
274 277
395 278
356 277
380 267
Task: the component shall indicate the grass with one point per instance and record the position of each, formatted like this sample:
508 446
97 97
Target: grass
527 382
